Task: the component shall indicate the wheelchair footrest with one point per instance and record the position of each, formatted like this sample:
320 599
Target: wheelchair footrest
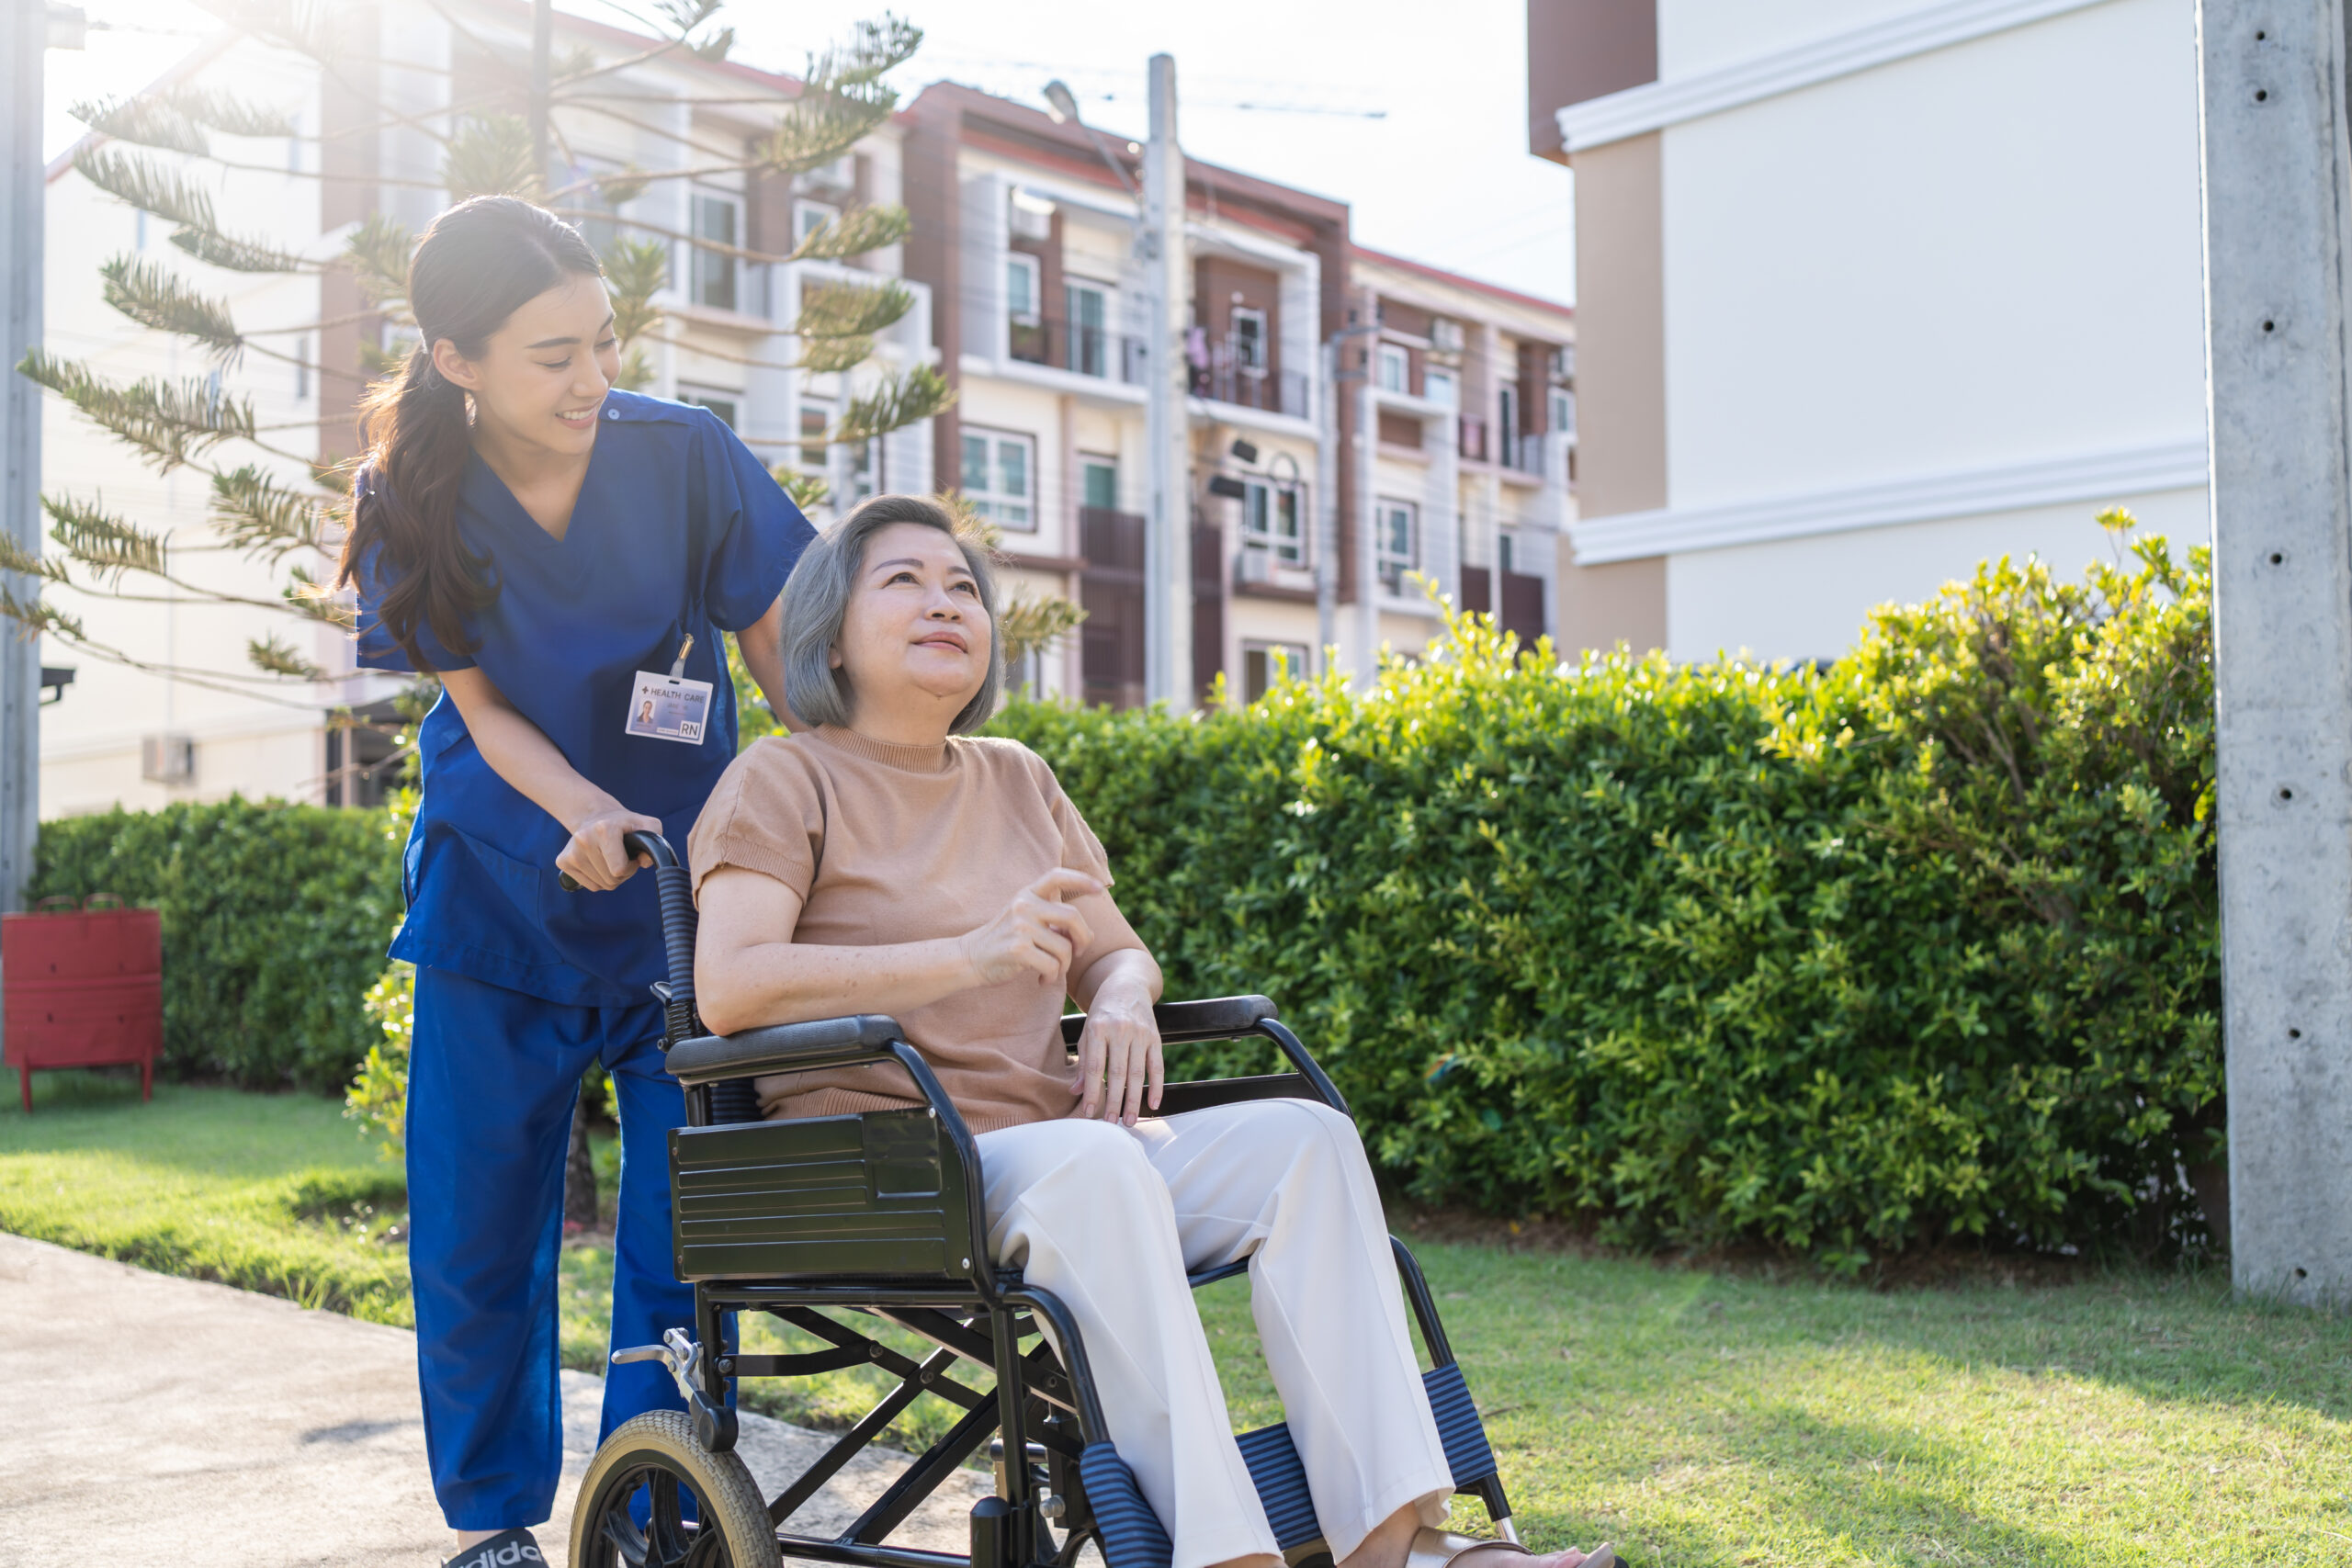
1132 1536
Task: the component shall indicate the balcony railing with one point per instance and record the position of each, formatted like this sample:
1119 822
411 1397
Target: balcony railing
1220 376
1085 350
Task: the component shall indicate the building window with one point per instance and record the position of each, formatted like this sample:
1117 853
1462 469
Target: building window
1000 472
1100 477
1272 521
1021 288
1249 337
816 418
807 216
863 464
1507 428
1439 387
1564 411
715 217
1264 665
720 403
1088 311
1507 552
1393 370
1396 543
303 366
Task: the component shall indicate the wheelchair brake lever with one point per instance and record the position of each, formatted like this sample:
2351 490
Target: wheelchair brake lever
680 1354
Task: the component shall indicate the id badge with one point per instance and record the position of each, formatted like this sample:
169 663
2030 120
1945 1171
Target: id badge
669 708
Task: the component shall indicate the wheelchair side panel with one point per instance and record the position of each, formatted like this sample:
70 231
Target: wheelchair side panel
876 1194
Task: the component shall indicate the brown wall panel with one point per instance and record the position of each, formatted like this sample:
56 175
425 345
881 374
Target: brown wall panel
934 254
1216 281
1620 329
1578 50
1601 606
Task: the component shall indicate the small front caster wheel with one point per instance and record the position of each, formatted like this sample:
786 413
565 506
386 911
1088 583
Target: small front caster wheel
654 1497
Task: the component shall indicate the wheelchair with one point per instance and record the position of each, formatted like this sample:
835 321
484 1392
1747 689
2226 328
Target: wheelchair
877 1215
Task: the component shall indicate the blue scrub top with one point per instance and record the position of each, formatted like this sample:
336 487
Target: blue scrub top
678 529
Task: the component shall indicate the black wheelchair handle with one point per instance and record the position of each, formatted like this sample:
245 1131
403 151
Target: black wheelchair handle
637 841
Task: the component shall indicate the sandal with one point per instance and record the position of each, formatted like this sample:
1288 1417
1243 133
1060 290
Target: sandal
508 1549
1436 1548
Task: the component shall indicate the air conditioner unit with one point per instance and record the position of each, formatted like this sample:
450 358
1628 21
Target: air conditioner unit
167 759
1445 334
1253 566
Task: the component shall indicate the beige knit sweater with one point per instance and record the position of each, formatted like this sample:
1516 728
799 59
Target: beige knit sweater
888 844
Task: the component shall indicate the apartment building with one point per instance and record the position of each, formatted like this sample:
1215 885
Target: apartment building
1296 341
1871 290
143 738
1472 392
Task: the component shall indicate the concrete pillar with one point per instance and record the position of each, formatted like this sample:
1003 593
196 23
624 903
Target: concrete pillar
24 38
2278 178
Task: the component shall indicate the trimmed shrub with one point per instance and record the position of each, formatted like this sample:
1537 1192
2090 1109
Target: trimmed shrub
1922 946
275 922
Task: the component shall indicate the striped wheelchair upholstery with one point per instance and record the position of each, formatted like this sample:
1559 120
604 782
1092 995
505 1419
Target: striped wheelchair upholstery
1132 1534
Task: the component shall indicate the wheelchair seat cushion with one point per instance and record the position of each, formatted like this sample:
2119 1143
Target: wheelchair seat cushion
887 844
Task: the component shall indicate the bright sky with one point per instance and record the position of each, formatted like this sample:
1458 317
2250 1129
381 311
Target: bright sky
1443 176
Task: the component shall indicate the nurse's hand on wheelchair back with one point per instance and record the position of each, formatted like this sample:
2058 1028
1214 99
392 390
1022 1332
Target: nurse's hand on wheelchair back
1036 934
595 858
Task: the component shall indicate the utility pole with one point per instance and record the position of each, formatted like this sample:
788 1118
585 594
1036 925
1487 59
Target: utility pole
23 40
542 46
1168 542
2278 180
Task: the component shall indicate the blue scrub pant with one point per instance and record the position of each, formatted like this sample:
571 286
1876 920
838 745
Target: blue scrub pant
492 1078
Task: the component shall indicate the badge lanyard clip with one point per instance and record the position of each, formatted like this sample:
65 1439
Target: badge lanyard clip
678 665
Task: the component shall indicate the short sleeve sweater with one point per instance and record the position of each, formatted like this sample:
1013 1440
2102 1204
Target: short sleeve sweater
887 844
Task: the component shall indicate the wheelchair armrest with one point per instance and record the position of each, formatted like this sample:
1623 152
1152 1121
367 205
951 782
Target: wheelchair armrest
1213 1017
785 1048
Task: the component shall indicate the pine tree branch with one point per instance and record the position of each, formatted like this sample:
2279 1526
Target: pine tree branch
893 404
1031 623
168 422
807 490
262 517
275 657
832 309
854 233
163 193
154 298
823 355
636 270
105 544
377 252
490 155
226 113
148 121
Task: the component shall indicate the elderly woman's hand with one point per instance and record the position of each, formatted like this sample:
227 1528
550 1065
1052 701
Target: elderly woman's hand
1039 933
1120 1066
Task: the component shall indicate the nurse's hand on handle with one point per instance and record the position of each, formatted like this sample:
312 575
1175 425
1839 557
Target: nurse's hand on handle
520 753
595 858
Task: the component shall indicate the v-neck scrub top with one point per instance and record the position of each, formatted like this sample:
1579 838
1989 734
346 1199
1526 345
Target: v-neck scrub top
678 529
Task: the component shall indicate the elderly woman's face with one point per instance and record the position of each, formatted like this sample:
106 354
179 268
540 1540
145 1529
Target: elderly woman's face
914 622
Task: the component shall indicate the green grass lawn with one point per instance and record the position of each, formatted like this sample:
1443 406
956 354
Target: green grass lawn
1694 1417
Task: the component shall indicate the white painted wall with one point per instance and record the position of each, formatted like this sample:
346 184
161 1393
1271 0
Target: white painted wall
1983 253
1807 598
1700 35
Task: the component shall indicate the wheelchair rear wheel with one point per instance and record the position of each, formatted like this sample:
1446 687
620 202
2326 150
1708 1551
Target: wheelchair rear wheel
634 1503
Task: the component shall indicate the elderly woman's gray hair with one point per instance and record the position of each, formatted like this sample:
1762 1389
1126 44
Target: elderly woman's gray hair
816 601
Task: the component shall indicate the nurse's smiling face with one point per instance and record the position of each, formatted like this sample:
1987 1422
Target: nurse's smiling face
542 376
915 638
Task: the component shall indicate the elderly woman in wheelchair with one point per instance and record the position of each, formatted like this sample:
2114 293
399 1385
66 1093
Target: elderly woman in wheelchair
887 862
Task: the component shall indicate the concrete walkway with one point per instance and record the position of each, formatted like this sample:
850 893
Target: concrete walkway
146 1420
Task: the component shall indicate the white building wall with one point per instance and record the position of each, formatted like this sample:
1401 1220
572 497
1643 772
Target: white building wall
1967 271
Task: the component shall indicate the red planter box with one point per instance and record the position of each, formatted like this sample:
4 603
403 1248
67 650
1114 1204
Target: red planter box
83 988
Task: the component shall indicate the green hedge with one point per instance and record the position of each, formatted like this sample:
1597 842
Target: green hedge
275 921
1843 963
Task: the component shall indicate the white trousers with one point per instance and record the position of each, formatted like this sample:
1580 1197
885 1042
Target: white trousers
1110 1219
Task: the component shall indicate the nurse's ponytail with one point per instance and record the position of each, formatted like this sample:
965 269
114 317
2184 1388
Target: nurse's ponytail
476 264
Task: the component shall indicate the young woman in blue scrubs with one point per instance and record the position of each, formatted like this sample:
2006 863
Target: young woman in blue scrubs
546 544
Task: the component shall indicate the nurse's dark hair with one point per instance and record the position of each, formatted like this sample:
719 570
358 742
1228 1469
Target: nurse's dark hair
476 264
816 602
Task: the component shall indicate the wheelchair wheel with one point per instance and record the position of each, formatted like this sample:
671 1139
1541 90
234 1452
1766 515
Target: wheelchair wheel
634 1503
